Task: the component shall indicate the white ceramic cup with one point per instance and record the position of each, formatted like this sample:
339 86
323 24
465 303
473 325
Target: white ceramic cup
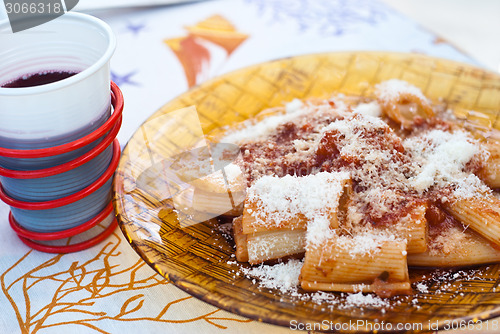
62 111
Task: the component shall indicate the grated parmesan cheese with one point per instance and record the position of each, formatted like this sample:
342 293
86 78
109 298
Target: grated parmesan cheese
388 172
281 199
422 288
285 278
293 106
368 109
264 127
376 165
359 299
390 90
297 194
440 158
282 276
234 176
368 243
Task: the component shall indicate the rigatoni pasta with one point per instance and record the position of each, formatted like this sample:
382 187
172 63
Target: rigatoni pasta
455 246
219 192
490 172
365 187
265 246
361 259
279 211
412 228
482 214
402 102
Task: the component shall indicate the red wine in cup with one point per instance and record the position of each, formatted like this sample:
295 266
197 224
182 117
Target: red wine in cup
38 79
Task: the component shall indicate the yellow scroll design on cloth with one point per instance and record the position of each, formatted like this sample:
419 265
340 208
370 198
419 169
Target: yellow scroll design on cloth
77 293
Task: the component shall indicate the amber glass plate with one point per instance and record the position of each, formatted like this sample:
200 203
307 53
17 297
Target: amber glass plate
199 260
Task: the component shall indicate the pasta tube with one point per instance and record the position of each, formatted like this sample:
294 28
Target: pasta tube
454 247
482 214
274 245
355 260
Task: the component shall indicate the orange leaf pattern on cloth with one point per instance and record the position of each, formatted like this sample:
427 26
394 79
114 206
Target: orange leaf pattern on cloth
75 295
192 52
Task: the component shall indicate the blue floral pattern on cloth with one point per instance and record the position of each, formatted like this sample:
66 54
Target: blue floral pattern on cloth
135 28
124 79
331 18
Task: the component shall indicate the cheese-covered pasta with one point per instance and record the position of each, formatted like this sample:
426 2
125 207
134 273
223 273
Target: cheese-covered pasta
362 187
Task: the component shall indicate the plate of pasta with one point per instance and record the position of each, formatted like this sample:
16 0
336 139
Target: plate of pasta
325 189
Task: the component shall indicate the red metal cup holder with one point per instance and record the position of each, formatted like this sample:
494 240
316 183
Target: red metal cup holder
117 102
30 238
40 236
30 241
108 130
71 198
39 173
